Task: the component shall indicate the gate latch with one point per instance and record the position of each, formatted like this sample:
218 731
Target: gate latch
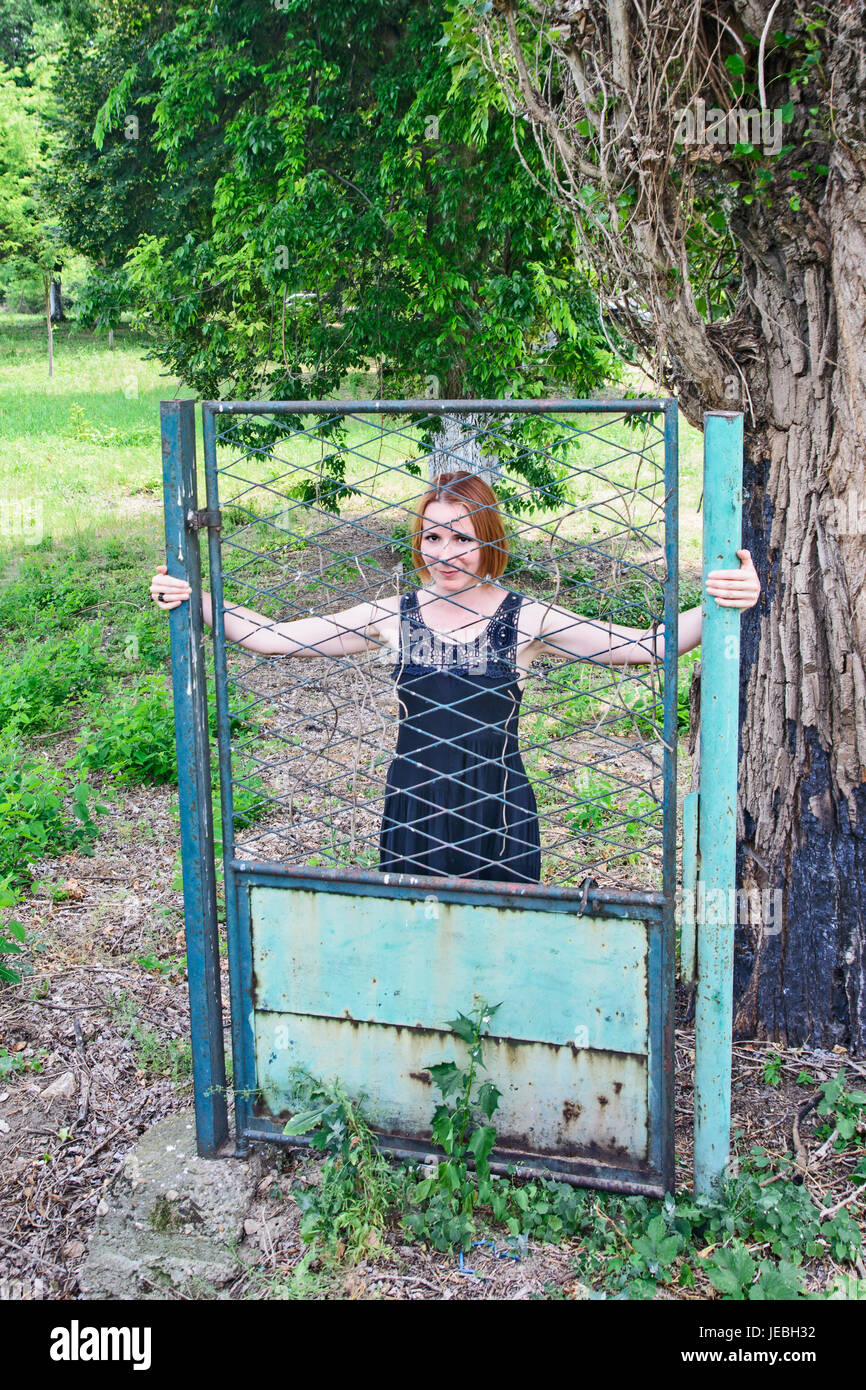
586 886
205 516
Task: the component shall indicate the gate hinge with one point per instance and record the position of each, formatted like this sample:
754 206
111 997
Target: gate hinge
205 516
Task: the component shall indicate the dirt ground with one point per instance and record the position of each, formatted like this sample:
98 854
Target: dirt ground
94 1040
106 1034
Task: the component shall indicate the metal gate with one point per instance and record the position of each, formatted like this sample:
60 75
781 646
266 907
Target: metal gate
337 968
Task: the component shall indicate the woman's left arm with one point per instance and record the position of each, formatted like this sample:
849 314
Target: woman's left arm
562 633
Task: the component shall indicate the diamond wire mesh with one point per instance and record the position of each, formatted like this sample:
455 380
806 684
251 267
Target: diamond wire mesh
314 521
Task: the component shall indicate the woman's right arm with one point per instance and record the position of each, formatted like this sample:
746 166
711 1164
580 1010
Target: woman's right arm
340 634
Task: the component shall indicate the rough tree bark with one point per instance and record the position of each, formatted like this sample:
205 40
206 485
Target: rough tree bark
459 443
600 91
802 825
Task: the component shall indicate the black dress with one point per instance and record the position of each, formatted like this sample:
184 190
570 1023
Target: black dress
457 798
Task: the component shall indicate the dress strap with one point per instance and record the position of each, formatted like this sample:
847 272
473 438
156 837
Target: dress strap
408 601
503 629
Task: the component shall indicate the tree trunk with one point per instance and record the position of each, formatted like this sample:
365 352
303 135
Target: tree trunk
55 291
458 448
799 976
604 96
50 327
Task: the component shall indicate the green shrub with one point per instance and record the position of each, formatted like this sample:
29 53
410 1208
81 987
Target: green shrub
12 935
37 687
130 734
43 598
34 821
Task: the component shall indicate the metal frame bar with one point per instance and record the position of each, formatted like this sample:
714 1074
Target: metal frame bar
690 874
656 909
177 419
239 956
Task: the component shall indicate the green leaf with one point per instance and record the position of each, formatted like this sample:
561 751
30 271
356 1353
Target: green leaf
446 1078
736 64
776 1282
642 1289
305 1120
449 1177
482 1141
488 1098
731 1271
463 1027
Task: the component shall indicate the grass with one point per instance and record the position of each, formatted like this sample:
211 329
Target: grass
85 442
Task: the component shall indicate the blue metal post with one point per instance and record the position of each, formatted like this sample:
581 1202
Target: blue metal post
194 784
717 829
237 944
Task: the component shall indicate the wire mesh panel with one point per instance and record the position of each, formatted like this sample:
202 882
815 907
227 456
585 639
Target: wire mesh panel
442 739
447 756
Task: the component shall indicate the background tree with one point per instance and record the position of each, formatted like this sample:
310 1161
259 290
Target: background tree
31 245
102 300
105 197
750 258
357 211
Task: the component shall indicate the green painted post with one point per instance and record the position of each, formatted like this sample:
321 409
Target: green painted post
717 816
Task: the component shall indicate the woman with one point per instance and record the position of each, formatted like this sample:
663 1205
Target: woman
458 801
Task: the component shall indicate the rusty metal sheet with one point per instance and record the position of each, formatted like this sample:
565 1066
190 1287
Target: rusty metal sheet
362 988
559 978
555 1099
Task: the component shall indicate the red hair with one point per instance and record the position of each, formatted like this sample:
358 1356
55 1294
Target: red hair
482 507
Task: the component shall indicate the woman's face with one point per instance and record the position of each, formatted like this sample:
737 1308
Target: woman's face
449 547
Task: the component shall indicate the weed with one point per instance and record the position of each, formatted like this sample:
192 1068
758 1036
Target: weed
156 1056
105 436
37 688
19 1061
131 734
847 1115
155 966
346 1214
12 934
627 1247
450 1198
34 821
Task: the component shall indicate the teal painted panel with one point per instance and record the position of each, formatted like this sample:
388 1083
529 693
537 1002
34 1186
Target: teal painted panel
560 978
556 1100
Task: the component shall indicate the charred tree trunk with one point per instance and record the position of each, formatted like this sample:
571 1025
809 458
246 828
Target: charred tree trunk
802 826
